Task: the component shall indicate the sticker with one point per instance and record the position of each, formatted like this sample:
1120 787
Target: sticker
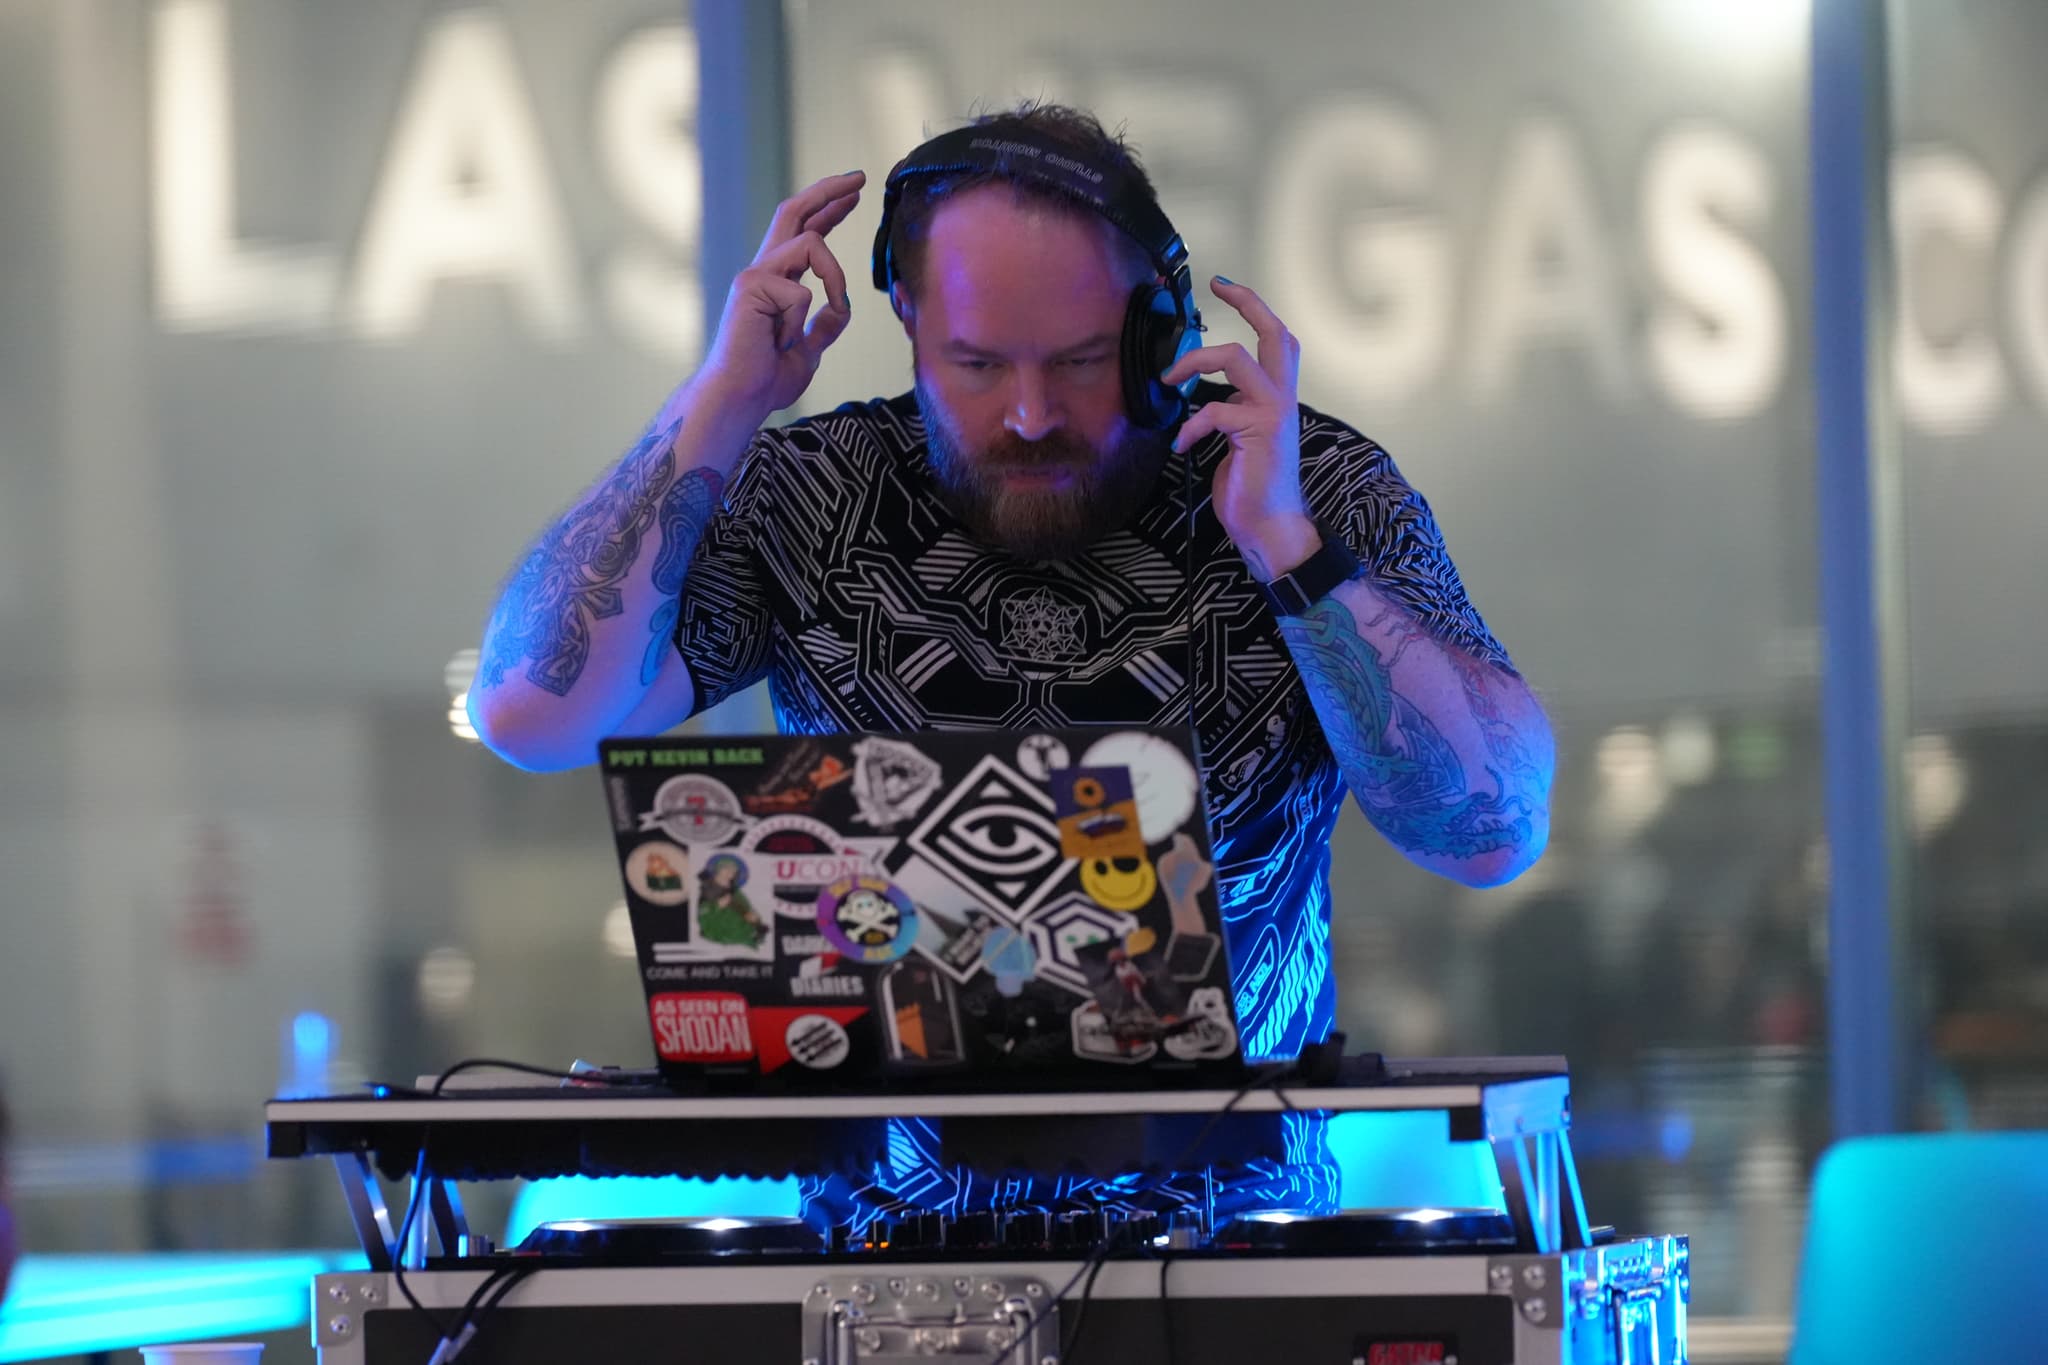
1207 1032
701 1027
819 978
619 795
922 1014
1184 874
1163 781
994 834
817 1041
1131 993
892 781
695 809
723 920
1189 956
1097 815
1119 883
1039 755
960 952
870 920
1010 959
796 782
1062 930
1141 941
659 873
1406 1351
1095 1041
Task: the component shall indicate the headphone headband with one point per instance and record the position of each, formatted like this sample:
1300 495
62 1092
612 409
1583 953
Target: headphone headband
1101 188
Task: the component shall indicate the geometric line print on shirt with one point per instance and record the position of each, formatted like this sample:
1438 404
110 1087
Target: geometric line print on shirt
835 570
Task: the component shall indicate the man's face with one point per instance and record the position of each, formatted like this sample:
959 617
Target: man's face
1015 337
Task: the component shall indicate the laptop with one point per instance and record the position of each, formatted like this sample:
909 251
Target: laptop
957 909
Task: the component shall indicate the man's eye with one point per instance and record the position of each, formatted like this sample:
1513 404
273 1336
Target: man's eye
1084 361
977 366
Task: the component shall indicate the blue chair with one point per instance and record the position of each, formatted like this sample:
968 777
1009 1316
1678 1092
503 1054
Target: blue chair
1926 1247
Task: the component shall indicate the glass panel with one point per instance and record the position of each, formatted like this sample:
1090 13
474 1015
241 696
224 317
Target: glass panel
1970 207
309 317
1553 256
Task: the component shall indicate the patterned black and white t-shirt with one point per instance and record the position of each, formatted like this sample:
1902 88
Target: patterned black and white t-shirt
835 571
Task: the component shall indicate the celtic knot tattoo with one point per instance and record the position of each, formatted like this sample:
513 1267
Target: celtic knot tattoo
571 577
1404 772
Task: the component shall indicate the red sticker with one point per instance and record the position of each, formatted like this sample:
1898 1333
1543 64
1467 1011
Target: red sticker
772 1025
1407 1353
709 1026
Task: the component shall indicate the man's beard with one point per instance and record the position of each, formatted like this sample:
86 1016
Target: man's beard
1103 494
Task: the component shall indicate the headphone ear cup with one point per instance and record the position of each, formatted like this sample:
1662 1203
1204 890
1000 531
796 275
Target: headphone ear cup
1155 335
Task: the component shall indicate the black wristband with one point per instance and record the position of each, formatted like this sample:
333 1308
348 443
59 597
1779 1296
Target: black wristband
1312 580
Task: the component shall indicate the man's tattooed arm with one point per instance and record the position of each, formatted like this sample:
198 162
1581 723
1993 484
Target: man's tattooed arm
573 575
685 512
1448 756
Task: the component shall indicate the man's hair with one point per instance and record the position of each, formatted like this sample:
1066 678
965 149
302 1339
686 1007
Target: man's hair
1060 124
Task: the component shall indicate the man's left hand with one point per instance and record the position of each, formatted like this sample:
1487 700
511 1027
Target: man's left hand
1257 490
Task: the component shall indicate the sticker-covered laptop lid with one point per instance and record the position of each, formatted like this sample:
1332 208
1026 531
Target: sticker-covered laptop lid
964 907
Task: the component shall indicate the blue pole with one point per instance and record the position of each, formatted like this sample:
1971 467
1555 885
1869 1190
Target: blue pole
743 138
1860 568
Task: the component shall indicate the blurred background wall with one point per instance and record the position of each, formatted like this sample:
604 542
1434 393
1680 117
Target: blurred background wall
311 315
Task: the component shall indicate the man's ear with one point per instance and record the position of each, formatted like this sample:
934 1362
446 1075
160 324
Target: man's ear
906 311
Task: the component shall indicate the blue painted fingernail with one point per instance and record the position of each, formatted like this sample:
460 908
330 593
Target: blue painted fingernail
846 302
1225 279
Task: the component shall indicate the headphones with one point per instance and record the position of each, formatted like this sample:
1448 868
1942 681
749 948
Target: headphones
1161 322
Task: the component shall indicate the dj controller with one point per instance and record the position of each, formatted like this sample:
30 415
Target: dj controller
1523 1284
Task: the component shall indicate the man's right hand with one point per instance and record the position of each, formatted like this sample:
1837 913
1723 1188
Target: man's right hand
764 356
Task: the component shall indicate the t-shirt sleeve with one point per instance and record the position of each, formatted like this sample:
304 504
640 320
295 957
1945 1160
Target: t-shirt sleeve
1352 483
724 629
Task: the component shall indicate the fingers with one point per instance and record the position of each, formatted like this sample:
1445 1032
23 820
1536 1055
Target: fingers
833 214
1279 349
1223 415
1232 361
787 302
823 331
794 213
808 251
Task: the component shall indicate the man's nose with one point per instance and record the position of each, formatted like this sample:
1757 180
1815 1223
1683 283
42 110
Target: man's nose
1033 412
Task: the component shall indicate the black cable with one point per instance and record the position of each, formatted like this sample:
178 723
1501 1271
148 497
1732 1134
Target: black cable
412 1204
419 1176
1271 1075
1166 1311
482 1302
1187 494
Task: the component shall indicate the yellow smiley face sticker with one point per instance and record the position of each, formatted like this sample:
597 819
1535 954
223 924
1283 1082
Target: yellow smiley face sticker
1118 883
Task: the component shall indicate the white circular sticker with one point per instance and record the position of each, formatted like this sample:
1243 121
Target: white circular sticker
1163 782
696 809
1039 755
799 857
659 872
817 1041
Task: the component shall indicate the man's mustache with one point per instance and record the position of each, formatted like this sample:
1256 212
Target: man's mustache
1059 454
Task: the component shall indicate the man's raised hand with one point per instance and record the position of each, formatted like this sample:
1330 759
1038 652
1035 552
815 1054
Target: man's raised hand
768 345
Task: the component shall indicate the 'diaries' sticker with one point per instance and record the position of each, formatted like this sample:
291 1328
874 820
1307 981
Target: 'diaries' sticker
708 1026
